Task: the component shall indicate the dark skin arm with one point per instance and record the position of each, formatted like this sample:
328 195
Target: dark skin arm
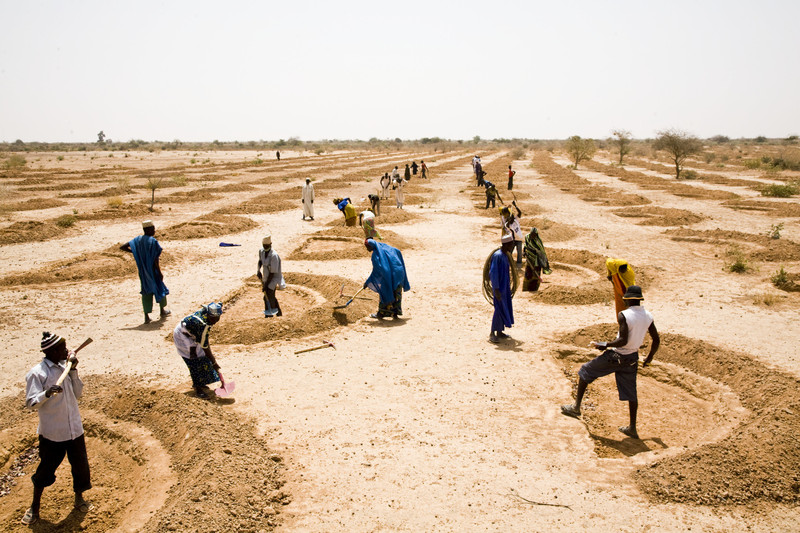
126 247
519 213
622 339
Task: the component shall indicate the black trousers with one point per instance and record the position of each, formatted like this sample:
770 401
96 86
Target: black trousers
52 454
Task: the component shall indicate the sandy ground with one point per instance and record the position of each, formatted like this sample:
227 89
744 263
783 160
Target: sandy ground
416 424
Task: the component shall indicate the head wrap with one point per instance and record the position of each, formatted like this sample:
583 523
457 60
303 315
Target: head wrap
49 340
214 309
267 240
148 224
508 237
308 180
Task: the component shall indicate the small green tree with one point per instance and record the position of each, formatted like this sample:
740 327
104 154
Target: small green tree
101 137
679 145
622 140
580 149
153 183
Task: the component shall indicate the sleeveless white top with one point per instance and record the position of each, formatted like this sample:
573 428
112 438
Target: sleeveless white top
638 319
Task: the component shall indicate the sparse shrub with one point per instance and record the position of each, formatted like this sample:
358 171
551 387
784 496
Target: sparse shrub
153 183
179 180
15 162
689 175
774 231
193 161
777 190
709 157
724 158
765 298
751 163
66 221
114 201
737 262
60 158
257 161
517 153
780 278
319 151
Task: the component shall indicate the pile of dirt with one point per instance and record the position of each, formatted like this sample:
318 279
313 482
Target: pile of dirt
134 210
208 225
232 187
161 460
389 215
68 186
31 231
775 208
307 307
769 249
660 216
31 204
551 231
758 460
272 202
183 197
105 193
109 264
342 242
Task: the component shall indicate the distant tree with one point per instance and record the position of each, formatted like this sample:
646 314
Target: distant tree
153 183
580 149
101 137
476 139
720 139
679 145
761 139
622 140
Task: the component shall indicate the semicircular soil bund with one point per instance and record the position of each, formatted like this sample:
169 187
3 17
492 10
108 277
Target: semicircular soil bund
31 231
31 204
208 225
92 266
307 305
751 455
161 460
389 215
764 247
549 230
660 216
343 242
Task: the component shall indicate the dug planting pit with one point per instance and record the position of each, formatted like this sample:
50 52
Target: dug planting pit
161 460
731 420
342 242
307 305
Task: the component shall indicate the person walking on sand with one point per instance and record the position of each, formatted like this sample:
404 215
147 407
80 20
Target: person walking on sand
308 200
146 250
621 276
399 195
388 278
272 278
500 279
510 223
60 425
386 182
278 155
347 209
414 168
479 173
191 340
407 173
621 358
423 169
511 174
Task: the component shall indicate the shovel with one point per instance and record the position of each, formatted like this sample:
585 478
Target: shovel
350 300
227 387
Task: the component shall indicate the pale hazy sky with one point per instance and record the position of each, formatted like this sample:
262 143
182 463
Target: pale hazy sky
347 69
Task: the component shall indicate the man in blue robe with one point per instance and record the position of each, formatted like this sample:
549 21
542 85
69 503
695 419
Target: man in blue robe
146 251
388 278
499 276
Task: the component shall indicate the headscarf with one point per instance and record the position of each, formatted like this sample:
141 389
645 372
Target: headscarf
388 270
534 251
628 277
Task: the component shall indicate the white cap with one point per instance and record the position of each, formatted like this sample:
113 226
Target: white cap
148 224
266 240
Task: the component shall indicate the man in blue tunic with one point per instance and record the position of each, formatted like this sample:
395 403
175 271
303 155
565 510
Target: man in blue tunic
501 290
388 278
146 251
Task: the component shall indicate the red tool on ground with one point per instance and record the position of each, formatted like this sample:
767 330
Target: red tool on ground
227 387
327 343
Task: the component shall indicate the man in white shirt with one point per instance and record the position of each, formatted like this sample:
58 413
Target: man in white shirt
272 278
308 200
60 426
511 225
621 358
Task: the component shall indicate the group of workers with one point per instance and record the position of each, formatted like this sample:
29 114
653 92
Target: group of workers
53 385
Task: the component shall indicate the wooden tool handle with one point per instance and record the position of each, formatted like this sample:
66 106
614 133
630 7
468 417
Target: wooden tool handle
65 373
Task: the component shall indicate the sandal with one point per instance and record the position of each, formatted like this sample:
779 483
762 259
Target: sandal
29 518
626 430
84 507
569 410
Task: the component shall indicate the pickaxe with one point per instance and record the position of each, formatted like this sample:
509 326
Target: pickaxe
327 343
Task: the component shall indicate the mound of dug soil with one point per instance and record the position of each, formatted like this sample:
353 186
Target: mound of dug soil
660 216
31 204
209 225
161 461
342 242
307 306
30 231
92 266
776 208
758 460
389 215
771 250
272 202
123 211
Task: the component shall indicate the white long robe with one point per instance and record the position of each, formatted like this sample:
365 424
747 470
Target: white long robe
308 200
398 193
